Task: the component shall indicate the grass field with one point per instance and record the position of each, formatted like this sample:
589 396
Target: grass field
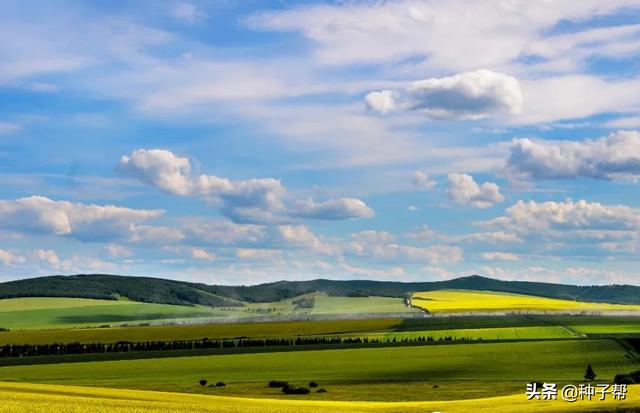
325 304
505 333
199 331
34 313
473 328
626 325
35 398
55 313
463 301
382 374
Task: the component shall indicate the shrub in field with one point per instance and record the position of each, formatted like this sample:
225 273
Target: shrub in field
296 390
321 391
278 383
623 379
313 384
435 386
203 382
631 378
220 384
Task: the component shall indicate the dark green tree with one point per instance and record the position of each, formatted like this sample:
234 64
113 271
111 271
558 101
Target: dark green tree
589 375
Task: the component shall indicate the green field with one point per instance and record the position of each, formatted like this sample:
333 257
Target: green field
43 313
55 313
460 370
473 328
505 333
199 331
325 304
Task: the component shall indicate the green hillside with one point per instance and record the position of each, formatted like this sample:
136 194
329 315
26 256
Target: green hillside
156 290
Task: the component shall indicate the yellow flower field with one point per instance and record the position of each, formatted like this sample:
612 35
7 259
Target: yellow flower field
41 398
464 301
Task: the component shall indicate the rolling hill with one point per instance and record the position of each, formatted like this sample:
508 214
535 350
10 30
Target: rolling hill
163 291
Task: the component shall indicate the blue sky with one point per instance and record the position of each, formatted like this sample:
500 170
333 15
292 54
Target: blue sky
241 142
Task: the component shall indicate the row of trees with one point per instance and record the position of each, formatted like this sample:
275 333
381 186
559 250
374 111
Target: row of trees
27 350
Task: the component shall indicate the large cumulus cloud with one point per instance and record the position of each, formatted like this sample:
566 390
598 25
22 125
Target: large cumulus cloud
471 95
250 201
464 190
41 215
611 157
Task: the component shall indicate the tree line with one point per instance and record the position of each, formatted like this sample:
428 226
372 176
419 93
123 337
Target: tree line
56 349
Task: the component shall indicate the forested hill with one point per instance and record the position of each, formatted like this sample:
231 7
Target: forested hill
156 290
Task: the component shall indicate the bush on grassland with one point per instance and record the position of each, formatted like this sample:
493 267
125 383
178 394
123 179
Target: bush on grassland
321 391
278 383
203 382
296 390
220 384
313 384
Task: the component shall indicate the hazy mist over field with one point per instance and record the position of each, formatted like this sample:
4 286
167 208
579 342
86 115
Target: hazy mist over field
241 142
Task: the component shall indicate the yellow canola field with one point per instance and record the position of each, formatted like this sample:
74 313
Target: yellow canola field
43 398
464 301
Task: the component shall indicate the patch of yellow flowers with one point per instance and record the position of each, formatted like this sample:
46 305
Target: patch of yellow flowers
42 398
464 301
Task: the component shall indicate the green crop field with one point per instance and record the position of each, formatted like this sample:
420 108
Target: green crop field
465 301
199 331
504 333
78 312
460 370
54 313
348 305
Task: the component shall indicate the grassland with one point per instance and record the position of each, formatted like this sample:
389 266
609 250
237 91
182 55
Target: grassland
199 331
382 374
324 304
464 301
56 313
38 313
35 398
505 333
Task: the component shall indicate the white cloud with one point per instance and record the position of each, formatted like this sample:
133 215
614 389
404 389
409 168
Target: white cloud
390 272
500 256
50 257
8 127
624 122
382 101
186 12
257 254
439 272
10 258
364 32
495 237
250 201
334 209
421 180
542 217
117 251
611 157
562 97
150 234
159 168
381 245
423 233
464 190
472 95
202 254
41 215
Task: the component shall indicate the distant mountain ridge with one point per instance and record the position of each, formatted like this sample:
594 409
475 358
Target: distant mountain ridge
158 290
